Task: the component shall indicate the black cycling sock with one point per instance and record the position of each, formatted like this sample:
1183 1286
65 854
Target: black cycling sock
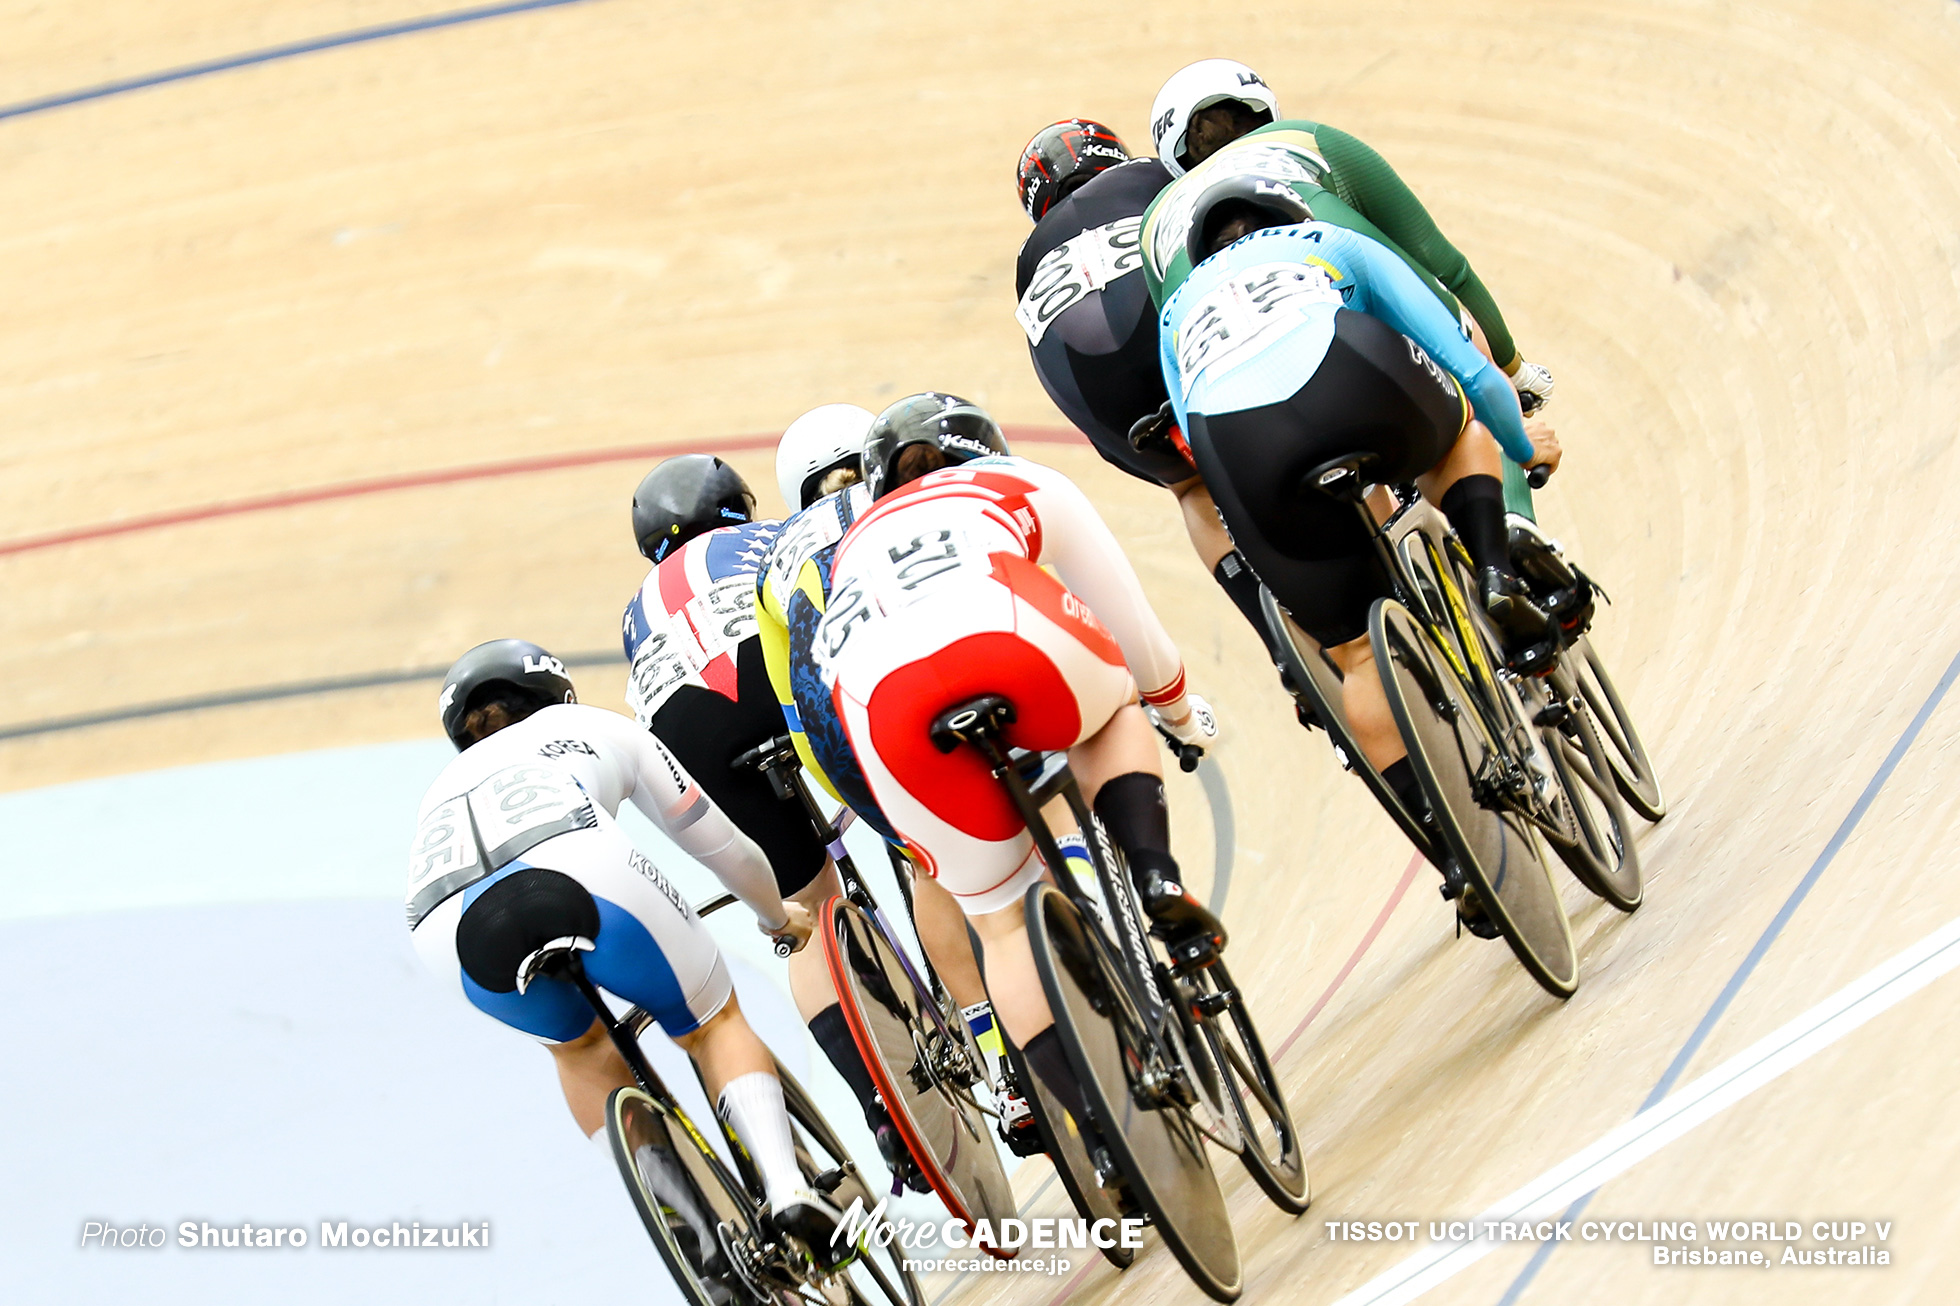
1242 587
1401 778
1132 808
1475 507
1045 1055
833 1035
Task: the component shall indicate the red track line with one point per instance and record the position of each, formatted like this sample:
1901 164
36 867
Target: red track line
445 476
1367 941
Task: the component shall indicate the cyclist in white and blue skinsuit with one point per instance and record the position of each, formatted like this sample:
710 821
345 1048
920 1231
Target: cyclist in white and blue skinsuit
1294 342
516 846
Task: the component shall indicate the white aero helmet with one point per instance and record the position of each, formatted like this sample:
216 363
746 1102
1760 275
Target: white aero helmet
1199 86
819 440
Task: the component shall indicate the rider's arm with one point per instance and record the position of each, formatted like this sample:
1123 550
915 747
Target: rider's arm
669 797
1365 180
1079 545
1389 291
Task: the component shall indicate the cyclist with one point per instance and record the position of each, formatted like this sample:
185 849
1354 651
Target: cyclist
938 594
1091 328
517 846
1299 341
819 469
1211 104
699 682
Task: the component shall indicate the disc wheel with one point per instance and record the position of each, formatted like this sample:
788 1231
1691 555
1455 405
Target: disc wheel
1272 1144
1316 683
877 1276
1061 1134
1633 770
927 1086
692 1205
1453 758
1160 1153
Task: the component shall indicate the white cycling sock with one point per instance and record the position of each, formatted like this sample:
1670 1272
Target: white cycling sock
752 1104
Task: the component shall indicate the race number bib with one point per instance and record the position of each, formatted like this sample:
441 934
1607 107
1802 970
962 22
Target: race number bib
444 859
1246 313
661 665
521 806
1073 270
724 616
899 575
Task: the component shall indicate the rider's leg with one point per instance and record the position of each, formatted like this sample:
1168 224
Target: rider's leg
1215 550
936 915
1121 773
740 1075
1468 485
589 1069
1015 986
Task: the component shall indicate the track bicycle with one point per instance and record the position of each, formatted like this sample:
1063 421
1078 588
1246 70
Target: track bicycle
1160 1039
929 1073
707 1219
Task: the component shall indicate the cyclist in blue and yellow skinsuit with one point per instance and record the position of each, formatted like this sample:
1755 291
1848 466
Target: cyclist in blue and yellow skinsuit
1294 341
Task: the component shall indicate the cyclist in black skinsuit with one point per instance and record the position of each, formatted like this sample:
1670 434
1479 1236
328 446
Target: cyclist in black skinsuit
1091 327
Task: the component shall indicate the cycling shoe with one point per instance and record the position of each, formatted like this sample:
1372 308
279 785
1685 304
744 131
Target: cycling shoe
1180 919
814 1222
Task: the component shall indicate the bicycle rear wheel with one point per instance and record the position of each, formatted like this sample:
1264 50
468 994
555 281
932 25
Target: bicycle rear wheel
1452 756
1068 1149
1315 681
695 1210
927 1085
1272 1144
877 1277
1633 770
1161 1153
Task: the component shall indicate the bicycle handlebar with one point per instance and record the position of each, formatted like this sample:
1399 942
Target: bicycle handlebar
1188 755
1536 477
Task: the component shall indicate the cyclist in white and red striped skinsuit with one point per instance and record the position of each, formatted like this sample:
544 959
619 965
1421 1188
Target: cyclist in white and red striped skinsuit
938 596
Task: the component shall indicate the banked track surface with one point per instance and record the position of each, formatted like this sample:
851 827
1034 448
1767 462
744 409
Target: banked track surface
1727 228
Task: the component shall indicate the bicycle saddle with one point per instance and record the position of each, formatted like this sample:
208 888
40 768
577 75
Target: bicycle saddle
522 923
977 718
1344 477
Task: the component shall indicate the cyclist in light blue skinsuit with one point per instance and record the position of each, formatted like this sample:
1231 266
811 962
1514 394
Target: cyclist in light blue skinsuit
1294 342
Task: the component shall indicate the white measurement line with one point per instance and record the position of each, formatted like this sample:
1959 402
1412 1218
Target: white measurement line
1671 1117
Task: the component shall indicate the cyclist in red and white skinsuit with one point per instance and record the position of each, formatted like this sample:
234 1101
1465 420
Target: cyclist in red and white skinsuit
938 595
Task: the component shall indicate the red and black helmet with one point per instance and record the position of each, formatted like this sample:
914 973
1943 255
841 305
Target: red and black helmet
1061 157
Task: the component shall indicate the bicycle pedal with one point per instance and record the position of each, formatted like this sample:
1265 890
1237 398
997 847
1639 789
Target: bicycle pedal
1536 659
1212 1004
1193 954
1555 713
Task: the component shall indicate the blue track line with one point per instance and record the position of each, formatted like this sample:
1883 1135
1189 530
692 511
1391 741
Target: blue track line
359 36
1756 953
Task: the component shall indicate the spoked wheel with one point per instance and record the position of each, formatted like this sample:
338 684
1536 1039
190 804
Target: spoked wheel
877 1276
1602 856
1272 1144
1160 1153
927 1085
1093 1198
1633 770
1316 682
1458 764
692 1205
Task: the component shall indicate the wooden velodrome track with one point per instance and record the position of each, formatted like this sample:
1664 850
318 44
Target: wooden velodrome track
1729 229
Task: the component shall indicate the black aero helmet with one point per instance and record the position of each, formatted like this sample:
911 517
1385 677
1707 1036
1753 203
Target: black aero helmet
1272 203
685 496
1062 156
516 666
958 429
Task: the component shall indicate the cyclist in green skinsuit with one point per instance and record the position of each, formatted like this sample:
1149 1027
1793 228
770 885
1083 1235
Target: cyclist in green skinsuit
1218 117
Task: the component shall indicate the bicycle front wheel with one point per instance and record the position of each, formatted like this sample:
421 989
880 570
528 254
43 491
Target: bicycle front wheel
1160 1153
926 1083
1272 1144
1603 856
1461 770
878 1276
1633 770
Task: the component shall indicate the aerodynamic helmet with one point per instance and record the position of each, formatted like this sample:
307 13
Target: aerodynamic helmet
825 438
1199 86
516 665
1275 203
958 429
1062 156
685 496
